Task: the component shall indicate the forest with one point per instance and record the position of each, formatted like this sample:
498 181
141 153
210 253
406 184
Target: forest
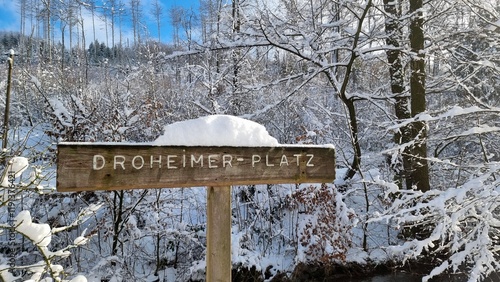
406 91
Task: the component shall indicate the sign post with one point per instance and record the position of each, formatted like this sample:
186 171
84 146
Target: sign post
218 251
117 166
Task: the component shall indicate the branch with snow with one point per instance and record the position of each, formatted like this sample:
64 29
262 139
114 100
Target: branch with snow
462 224
40 235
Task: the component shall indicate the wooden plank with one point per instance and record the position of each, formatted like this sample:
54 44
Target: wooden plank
88 166
218 234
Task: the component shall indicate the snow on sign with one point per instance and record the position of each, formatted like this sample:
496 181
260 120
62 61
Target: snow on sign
89 166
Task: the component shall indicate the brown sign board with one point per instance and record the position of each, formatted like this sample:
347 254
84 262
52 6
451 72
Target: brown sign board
116 166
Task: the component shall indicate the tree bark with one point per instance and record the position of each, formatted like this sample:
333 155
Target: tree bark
117 219
394 38
349 102
420 167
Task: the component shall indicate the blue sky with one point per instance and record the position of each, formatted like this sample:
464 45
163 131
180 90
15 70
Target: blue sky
9 18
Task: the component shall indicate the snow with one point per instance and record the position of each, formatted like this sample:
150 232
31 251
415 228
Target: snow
17 165
481 129
61 112
79 278
216 130
80 240
35 81
6 275
450 113
39 234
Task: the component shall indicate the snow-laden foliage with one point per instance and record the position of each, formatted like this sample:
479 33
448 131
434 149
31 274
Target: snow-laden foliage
278 226
29 251
42 262
458 225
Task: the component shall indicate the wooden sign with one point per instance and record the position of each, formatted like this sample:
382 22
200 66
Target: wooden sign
89 166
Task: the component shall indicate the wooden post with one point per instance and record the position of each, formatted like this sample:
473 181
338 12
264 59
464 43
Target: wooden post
218 255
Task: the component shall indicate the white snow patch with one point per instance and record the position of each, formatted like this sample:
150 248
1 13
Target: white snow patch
39 234
79 278
483 128
17 165
80 240
357 255
216 130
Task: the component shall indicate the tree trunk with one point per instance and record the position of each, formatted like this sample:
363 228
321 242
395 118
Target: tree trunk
420 167
236 31
349 102
394 38
353 124
47 48
157 13
117 219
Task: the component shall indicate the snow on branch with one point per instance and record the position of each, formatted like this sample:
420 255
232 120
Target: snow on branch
463 224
